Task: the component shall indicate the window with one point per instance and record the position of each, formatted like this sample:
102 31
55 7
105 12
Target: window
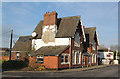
92 58
40 59
67 58
79 58
83 59
95 58
18 55
74 58
62 58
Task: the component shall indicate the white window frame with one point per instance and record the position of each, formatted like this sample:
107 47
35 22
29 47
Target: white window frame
95 58
41 57
74 58
83 62
62 59
92 57
64 62
67 59
79 58
18 55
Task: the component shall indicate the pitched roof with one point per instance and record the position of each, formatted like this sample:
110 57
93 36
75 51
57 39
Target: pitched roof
50 50
23 44
66 26
91 34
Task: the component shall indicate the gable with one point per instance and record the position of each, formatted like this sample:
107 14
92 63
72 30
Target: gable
91 35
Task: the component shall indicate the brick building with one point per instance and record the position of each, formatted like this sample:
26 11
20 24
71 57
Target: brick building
4 54
59 43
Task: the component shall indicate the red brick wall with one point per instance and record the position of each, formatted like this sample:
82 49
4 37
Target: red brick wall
6 58
13 57
32 62
50 18
51 62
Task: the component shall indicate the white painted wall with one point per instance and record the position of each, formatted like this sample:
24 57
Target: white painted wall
38 43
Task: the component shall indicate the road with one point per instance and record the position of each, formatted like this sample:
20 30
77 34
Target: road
108 71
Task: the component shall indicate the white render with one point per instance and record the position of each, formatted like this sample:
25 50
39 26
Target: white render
38 43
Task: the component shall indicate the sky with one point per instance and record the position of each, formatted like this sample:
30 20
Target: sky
23 17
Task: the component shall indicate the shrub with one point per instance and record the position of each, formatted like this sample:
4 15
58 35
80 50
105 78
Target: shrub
119 61
40 68
14 64
1 61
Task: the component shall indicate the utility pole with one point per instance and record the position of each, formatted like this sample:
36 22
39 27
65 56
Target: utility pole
11 43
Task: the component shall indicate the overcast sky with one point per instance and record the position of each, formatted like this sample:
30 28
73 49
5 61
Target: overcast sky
23 17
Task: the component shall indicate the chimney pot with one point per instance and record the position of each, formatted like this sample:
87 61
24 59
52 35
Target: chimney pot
83 26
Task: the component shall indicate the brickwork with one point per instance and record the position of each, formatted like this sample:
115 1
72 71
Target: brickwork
50 18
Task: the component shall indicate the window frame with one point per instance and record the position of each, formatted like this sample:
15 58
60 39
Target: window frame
64 58
17 55
74 53
83 58
40 57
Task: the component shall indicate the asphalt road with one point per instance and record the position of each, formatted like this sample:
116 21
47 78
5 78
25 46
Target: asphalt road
109 71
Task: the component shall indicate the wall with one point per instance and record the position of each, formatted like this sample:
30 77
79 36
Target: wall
38 43
6 58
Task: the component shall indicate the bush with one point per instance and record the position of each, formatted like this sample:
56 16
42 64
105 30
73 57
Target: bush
40 68
119 61
14 64
1 61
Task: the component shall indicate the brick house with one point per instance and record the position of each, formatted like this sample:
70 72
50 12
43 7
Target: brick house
21 49
59 43
4 54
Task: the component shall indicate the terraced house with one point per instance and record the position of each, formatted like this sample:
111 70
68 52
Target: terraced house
59 43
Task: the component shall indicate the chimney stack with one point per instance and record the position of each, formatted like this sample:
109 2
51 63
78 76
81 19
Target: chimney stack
50 18
83 27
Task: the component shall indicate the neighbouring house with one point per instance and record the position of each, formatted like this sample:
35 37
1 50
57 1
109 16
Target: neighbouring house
58 43
4 54
22 48
105 56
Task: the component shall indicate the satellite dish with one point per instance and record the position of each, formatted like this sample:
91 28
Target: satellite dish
34 34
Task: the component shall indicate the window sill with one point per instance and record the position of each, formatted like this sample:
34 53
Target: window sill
39 62
65 63
73 63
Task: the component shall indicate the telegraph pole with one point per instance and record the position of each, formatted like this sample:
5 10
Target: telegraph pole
11 43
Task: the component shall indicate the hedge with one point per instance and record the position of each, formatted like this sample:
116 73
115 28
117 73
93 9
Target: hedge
14 64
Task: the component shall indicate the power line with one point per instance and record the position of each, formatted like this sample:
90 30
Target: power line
5 33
